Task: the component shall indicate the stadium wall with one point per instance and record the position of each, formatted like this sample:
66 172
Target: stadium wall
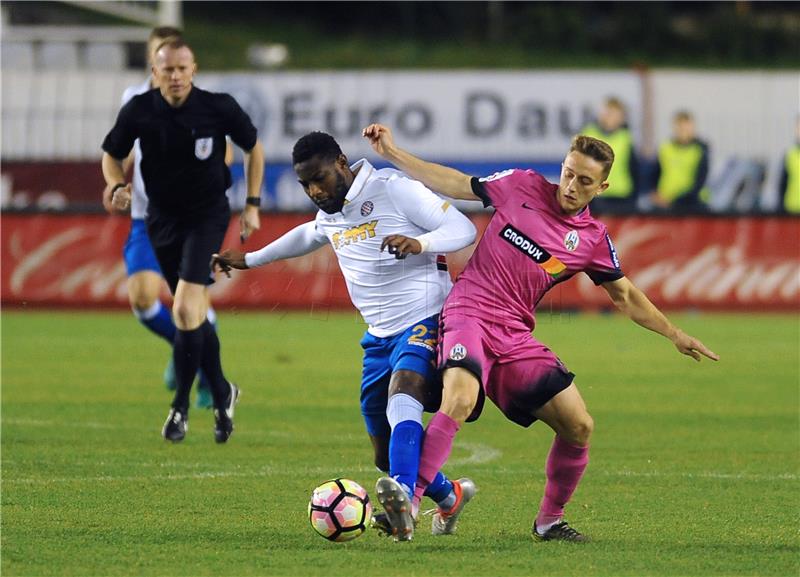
494 117
738 264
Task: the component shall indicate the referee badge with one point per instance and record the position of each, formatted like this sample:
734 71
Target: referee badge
203 147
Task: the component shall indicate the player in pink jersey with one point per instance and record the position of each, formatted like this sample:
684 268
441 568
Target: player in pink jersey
541 234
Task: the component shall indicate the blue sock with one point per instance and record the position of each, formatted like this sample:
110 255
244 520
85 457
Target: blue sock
440 488
159 320
405 446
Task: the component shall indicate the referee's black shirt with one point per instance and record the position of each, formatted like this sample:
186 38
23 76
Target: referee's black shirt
183 149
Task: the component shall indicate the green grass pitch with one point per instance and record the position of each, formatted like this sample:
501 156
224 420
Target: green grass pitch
694 467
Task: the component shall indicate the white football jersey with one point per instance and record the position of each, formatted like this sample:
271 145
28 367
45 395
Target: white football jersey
390 294
138 195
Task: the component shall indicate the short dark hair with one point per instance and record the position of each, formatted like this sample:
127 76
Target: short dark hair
315 144
594 148
682 115
164 32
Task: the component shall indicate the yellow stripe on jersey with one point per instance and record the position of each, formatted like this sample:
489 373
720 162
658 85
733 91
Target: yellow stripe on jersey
553 266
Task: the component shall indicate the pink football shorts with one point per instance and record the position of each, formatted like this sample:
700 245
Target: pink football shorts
517 372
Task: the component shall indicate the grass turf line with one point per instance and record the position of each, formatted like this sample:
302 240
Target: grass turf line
694 467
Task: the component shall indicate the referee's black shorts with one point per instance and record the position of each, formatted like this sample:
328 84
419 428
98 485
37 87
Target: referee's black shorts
184 245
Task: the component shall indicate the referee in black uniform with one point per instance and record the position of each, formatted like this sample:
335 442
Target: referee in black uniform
182 130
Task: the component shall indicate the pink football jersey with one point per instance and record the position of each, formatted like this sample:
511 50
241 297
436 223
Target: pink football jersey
529 246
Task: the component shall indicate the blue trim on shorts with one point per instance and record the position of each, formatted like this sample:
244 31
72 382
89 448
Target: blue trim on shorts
412 350
138 251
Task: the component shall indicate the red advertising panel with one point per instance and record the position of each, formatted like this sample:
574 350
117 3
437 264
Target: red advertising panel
708 263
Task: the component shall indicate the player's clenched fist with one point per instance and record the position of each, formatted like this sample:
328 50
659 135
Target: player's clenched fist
228 260
117 198
380 138
401 246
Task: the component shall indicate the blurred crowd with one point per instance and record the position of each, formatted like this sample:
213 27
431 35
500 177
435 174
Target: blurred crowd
676 179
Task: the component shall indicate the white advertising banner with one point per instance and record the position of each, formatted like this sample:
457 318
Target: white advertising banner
463 115
469 116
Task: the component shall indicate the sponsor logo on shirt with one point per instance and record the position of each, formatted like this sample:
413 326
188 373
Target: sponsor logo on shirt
529 248
366 208
203 147
354 234
572 240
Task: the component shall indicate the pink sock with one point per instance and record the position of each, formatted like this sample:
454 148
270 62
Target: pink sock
565 466
435 449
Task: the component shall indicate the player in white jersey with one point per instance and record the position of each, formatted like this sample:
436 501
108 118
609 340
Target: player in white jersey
399 293
145 280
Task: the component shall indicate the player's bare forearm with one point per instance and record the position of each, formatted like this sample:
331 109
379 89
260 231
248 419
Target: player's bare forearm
442 179
113 170
228 153
635 304
643 312
254 169
250 219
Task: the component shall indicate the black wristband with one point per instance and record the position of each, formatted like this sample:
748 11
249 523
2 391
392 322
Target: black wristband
118 186
253 200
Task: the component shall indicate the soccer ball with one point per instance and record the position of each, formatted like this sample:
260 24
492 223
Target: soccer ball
339 510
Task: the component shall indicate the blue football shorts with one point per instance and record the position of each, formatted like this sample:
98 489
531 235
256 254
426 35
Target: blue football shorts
138 251
413 350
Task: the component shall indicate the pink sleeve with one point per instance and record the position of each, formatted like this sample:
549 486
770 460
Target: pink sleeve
604 264
496 189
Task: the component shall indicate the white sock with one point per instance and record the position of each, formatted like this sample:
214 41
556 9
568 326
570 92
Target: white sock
542 529
403 407
146 315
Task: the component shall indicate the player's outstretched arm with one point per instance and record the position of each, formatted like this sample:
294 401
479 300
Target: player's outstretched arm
300 240
442 179
635 304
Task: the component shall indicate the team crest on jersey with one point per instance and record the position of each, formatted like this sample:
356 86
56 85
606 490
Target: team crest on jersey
366 208
458 352
572 240
203 147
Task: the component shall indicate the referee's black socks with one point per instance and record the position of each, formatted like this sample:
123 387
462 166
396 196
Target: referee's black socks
192 350
187 352
212 365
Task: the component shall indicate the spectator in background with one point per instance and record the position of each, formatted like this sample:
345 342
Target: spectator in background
790 177
682 168
612 127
